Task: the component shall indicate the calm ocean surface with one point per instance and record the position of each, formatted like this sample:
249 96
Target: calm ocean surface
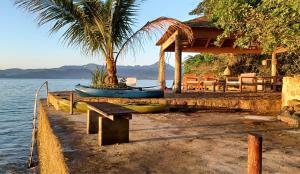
16 111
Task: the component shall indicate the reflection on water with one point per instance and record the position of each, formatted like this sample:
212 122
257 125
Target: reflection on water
16 109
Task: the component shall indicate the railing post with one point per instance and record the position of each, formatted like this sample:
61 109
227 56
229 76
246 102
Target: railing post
47 91
71 102
241 84
254 154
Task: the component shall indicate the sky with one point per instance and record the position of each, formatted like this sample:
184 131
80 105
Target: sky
23 44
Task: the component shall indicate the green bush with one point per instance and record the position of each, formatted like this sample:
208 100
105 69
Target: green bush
99 77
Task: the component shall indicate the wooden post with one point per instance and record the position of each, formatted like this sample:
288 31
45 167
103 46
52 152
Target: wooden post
254 154
162 70
263 86
92 122
274 65
241 84
178 57
71 103
274 70
255 87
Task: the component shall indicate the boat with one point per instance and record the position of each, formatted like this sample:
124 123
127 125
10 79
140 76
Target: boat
131 92
145 108
64 105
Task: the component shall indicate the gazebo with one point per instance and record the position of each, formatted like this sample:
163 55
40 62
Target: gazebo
204 36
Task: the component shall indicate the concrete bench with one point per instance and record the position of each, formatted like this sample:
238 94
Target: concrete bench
110 121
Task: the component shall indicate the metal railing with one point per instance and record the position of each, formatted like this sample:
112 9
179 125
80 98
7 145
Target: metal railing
34 123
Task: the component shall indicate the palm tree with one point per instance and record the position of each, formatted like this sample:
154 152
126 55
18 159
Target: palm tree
99 26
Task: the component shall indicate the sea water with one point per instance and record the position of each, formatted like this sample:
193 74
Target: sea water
16 112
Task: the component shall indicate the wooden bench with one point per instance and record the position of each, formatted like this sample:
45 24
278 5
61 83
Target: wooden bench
110 121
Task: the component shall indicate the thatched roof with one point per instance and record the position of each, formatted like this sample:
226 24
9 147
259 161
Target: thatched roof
204 35
199 22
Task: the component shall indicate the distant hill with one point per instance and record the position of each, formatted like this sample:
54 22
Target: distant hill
149 72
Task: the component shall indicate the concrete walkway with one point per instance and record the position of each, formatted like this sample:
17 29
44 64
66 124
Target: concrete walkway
181 142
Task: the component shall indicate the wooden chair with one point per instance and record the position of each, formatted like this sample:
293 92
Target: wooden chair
245 79
209 81
232 82
270 82
192 81
248 80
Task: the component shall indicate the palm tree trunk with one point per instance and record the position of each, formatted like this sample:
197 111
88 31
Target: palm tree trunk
112 72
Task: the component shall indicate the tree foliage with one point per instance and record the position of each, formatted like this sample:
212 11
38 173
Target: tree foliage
289 63
266 23
99 26
205 64
216 64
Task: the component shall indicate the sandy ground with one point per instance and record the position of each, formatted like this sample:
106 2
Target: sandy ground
181 142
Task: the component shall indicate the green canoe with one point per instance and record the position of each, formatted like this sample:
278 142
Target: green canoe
64 105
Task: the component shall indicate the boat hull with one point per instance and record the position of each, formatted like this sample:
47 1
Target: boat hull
81 107
146 108
64 105
85 91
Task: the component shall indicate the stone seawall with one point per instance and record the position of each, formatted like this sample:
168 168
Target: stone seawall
290 89
51 158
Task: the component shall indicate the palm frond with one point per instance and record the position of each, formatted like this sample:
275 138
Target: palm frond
124 17
100 26
153 29
75 18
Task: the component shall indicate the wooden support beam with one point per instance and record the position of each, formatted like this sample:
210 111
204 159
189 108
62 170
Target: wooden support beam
217 50
71 103
208 42
169 41
274 65
178 61
222 43
280 50
162 70
254 154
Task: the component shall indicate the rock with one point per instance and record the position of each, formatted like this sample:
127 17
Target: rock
286 114
297 114
291 110
285 108
290 120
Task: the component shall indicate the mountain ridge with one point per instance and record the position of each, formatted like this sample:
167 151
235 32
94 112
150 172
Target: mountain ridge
147 72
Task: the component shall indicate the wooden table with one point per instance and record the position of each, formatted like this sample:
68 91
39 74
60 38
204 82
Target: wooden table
110 121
